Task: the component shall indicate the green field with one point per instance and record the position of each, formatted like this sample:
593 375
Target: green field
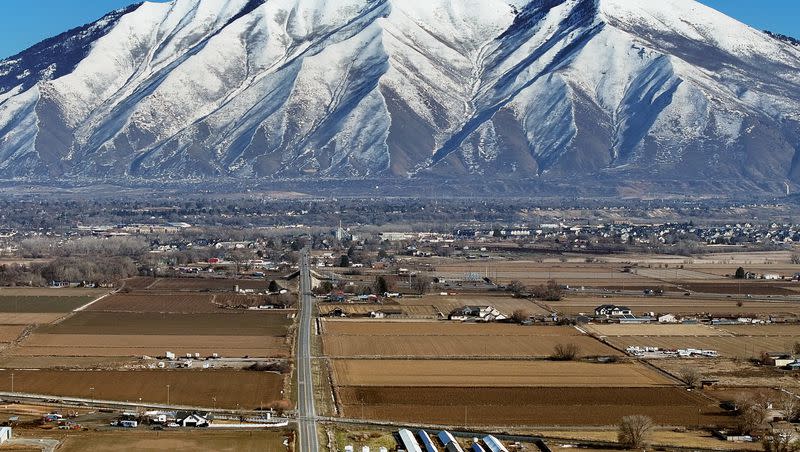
39 304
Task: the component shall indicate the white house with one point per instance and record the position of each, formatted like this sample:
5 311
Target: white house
478 313
193 420
668 318
610 310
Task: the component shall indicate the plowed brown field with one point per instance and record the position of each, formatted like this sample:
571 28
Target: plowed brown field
492 373
529 405
195 387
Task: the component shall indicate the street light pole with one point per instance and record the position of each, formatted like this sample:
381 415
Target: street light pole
167 394
12 382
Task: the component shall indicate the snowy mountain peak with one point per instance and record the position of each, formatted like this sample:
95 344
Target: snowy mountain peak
514 90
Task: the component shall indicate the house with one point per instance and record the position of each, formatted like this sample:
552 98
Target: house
610 310
667 318
779 359
185 419
5 434
477 313
384 313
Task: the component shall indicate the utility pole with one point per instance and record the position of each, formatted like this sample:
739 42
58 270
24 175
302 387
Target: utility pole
12 382
167 395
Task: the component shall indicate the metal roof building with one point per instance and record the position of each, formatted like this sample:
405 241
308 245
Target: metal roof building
494 444
426 441
449 442
477 448
409 443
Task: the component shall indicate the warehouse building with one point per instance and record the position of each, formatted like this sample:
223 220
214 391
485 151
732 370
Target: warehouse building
494 444
426 441
409 443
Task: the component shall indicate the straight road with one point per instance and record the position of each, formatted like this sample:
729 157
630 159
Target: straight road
306 413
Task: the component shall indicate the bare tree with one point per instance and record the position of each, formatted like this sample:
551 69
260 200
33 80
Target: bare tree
634 431
780 442
689 375
789 406
520 315
421 284
565 352
752 415
796 348
795 259
516 287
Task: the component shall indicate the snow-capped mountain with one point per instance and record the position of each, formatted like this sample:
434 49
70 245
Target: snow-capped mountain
349 89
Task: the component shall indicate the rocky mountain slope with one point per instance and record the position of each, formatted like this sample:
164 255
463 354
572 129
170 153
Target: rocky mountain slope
479 90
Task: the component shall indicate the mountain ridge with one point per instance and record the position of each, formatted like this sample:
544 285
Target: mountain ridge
479 90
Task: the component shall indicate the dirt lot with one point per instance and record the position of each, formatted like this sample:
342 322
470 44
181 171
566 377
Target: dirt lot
40 304
9 333
734 373
616 329
446 339
528 406
410 311
492 373
188 441
247 323
743 347
575 304
194 387
150 345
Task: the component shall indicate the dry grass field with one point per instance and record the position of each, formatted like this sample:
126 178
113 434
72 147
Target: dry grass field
9 333
450 340
179 441
150 345
762 330
247 323
616 329
530 272
492 373
195 388
26 318
411 311
528 405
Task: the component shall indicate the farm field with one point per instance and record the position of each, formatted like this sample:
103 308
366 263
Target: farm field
616 329
492 373
446 339
181 441
208 284
194 388
762 330
51 292
503 406
529 272
151 345
247 323
9 333
410 311
27 318
157 302
41 303
746 287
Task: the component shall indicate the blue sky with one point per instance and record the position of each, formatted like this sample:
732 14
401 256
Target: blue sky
24 23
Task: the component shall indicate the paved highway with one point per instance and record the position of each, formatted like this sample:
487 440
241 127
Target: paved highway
306 413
